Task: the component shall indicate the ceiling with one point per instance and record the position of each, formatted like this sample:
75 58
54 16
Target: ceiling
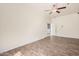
71 8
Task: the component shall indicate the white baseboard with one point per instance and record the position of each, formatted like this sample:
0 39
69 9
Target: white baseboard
66 36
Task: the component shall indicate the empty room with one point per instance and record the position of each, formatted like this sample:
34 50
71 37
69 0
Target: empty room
39 29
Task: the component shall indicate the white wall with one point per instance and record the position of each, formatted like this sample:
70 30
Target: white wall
66 26
21 24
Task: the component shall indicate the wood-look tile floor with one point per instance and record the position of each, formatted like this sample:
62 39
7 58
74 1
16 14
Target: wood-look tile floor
57 46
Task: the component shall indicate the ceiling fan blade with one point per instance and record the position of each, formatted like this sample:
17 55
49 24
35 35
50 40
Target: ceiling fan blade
46 10
58 11
61 8
50 13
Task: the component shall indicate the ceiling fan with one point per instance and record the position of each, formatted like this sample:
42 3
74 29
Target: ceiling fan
55 8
